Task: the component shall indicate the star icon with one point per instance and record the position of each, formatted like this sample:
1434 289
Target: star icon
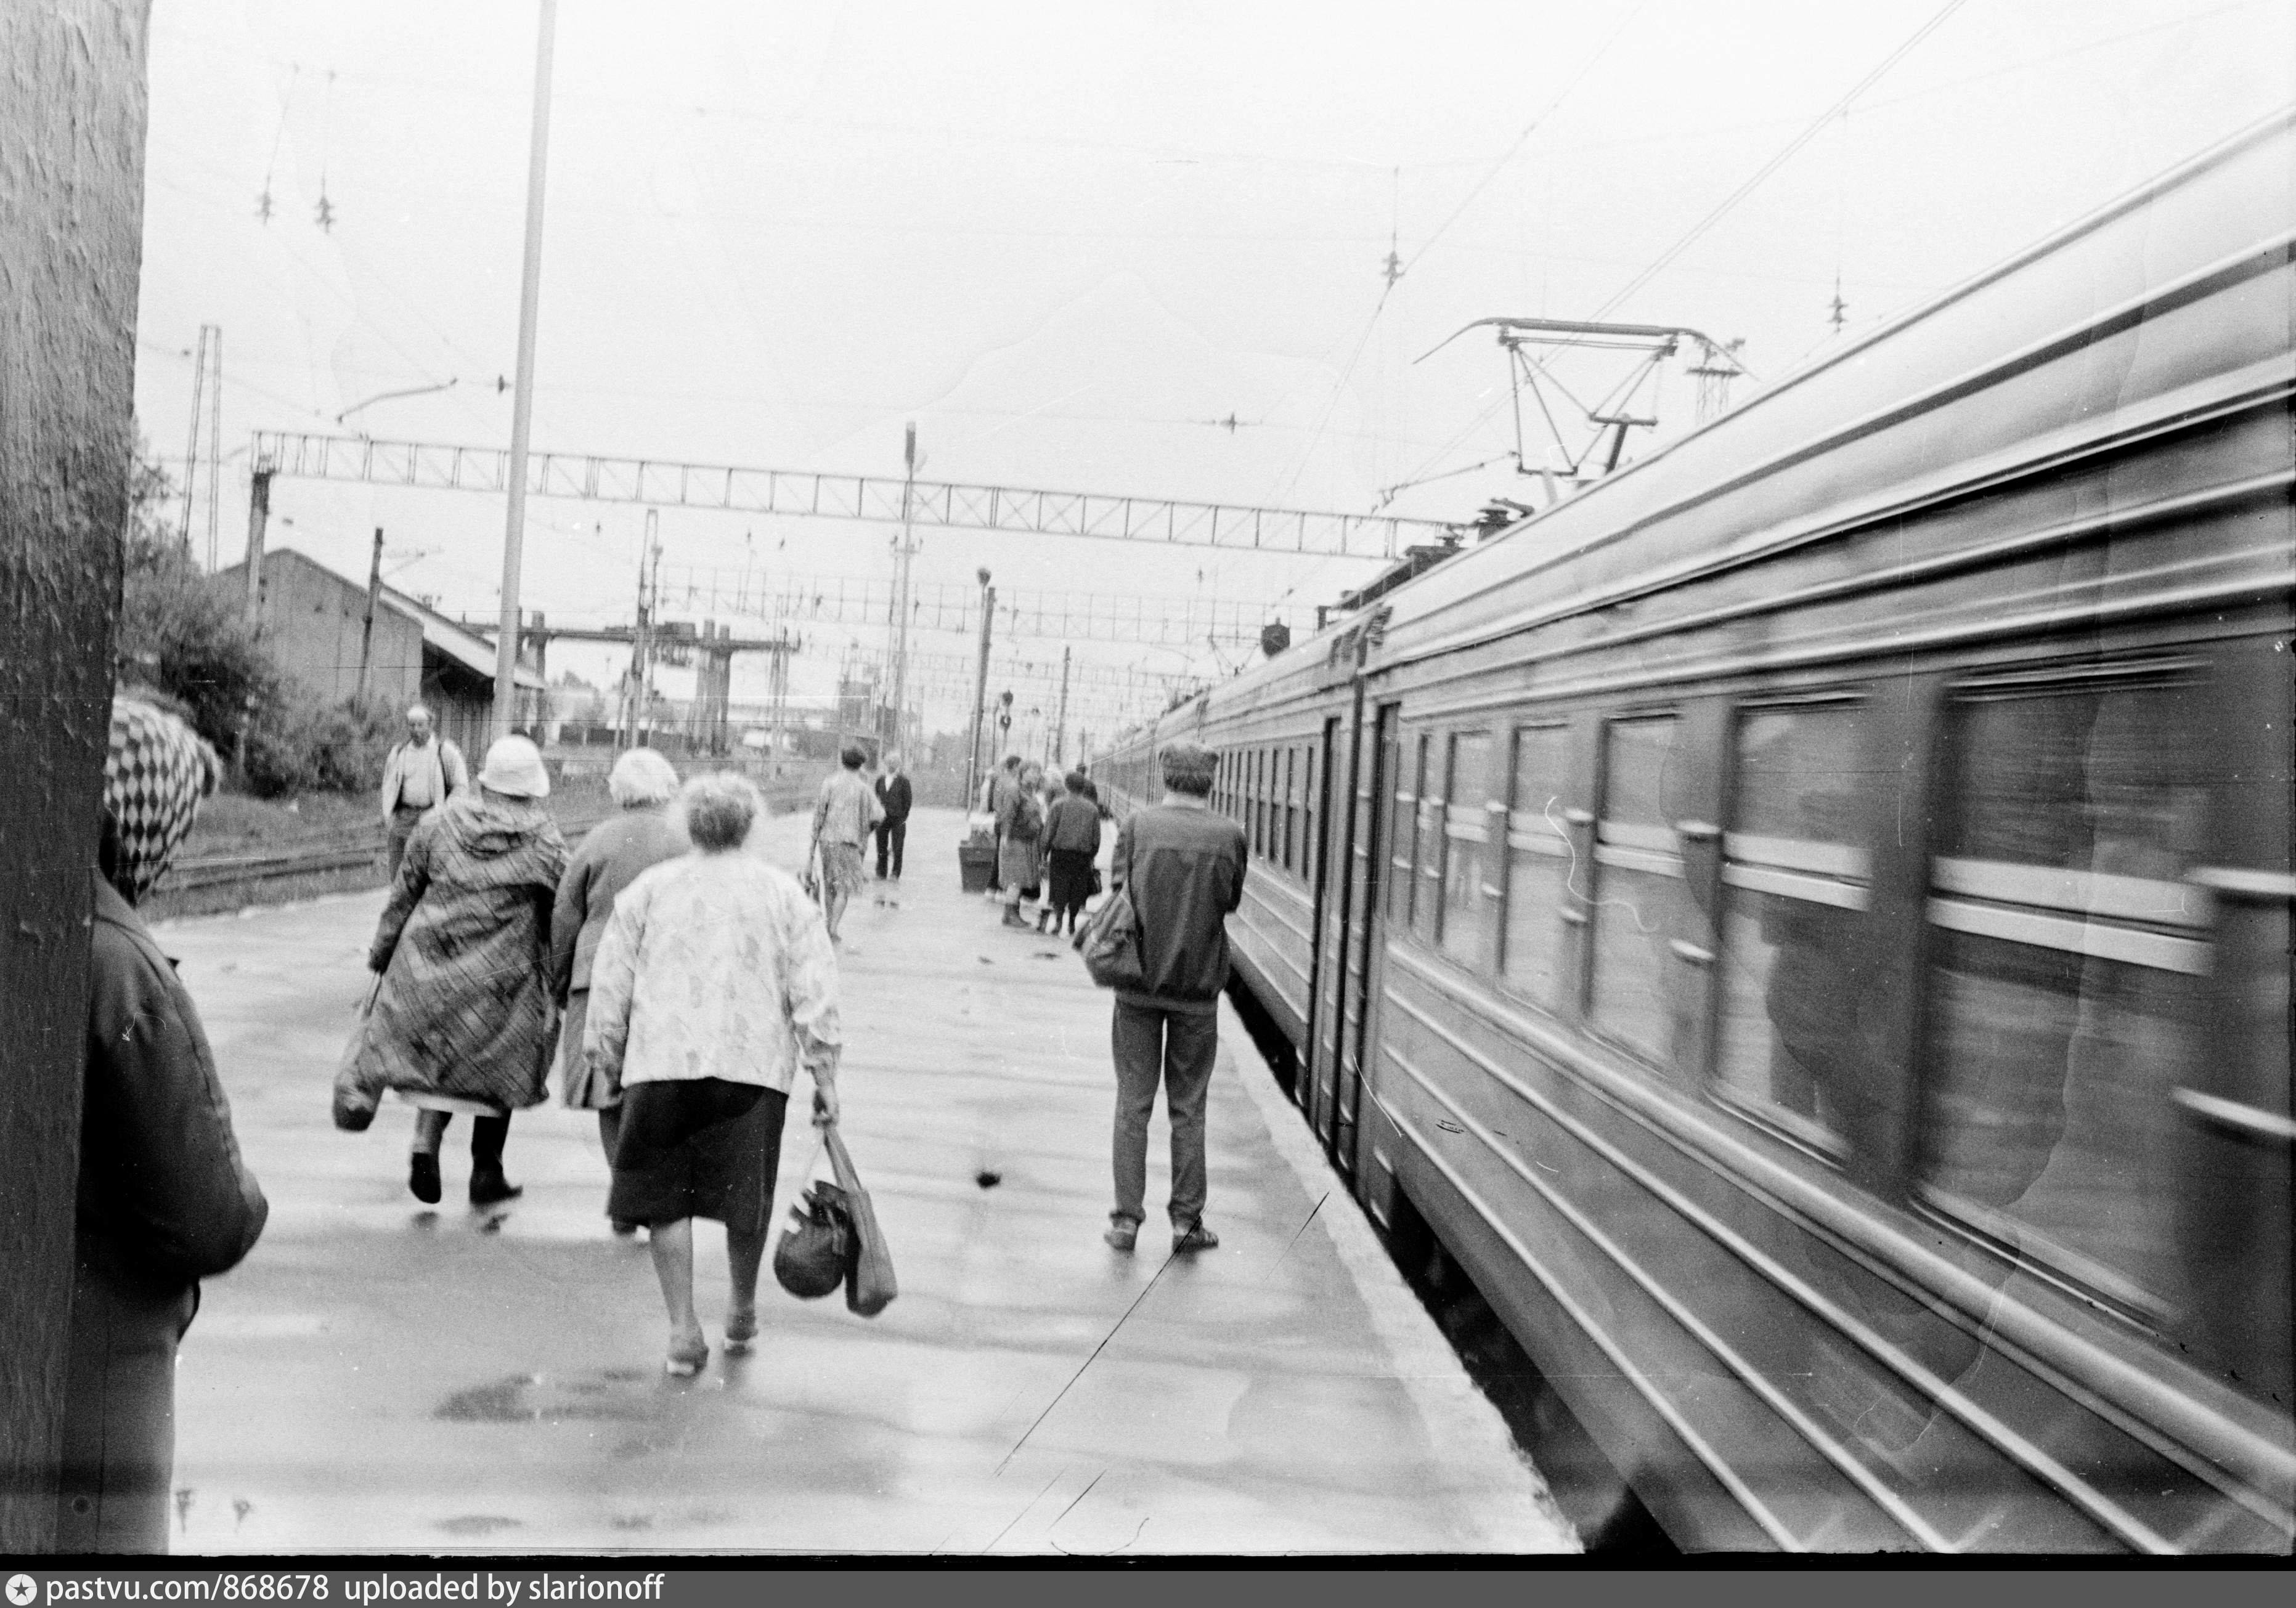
22 1590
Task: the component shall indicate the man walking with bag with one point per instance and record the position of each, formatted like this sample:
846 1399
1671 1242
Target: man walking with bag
1182 867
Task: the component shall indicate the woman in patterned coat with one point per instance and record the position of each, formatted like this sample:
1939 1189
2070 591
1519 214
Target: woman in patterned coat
464 1018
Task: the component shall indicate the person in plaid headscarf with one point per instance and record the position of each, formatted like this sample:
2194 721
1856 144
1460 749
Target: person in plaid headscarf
164 1199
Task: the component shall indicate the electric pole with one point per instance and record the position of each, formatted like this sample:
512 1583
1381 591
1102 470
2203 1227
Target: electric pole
259 516
366 631
521 417
980 688
904 550
1061 730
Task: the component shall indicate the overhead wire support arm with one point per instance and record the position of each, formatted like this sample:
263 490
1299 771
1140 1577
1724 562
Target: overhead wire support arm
736 488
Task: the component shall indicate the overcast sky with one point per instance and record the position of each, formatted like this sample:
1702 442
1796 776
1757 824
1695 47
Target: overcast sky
1065 238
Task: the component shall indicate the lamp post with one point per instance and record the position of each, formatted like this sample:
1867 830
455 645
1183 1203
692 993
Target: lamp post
980 688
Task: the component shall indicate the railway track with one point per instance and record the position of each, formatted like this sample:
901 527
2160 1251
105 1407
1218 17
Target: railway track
355 851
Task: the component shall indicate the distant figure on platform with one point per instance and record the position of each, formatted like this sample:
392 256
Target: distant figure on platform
644 833
1072 844
1091 792
997 799
894 797
842 820
463 1021
421 772
1019 825
164 1199
714 981
1185 867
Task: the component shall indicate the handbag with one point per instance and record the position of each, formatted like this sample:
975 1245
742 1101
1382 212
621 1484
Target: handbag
811 880
355 1102
1110 944
816 1248
869 1283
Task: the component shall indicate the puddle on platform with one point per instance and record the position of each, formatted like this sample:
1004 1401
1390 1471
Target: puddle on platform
535 1398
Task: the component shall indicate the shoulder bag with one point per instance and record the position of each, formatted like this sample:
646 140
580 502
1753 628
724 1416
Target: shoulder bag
1110 944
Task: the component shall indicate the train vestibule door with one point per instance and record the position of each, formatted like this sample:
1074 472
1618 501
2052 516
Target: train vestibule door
1367 777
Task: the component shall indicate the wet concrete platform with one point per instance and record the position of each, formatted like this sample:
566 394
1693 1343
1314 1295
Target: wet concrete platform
383 1375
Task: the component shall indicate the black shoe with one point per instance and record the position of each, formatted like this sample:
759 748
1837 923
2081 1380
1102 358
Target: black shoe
422 1176
490 1188
1197 1238
1122 1234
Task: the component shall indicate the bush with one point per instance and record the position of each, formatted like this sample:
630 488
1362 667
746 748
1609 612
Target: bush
296 744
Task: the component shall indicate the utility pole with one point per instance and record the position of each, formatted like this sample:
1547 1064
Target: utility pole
521 418
258 517
1061 730
366 631
904 549
980 689
640 641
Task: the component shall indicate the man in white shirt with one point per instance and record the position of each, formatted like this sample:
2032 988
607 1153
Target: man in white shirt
422 772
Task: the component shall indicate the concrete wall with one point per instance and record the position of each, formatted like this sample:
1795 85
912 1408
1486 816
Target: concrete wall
71 236
312 620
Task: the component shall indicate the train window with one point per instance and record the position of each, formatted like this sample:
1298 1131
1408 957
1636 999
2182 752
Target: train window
1427 833
1794 897
1470 906
1539 864
1285 819
1402 828
2065 983
1251 800
1640 898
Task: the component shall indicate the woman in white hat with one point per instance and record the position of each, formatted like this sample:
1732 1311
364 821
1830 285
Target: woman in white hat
462 1023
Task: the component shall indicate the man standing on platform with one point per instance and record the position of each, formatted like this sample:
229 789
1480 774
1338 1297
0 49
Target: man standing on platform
1004 786
421 772
1185 867
893 798
842 820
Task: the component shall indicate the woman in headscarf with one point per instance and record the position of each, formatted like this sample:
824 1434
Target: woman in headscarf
462 1022
164 1199
1021 822
713 983
644 832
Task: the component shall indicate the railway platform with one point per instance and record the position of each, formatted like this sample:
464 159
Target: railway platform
382 1375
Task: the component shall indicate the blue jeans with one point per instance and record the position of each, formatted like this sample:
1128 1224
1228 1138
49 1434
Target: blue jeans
1178 1047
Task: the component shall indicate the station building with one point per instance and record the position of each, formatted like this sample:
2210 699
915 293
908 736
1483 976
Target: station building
313 622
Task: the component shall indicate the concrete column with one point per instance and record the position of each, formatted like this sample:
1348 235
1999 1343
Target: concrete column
71 236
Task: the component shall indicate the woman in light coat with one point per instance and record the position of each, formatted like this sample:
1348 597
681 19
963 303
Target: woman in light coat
1020 824
462 1020
714 984
644 832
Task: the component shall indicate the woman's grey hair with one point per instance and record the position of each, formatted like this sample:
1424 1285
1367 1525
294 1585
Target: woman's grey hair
641 777
719 808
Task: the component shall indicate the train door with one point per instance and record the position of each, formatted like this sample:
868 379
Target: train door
1319 1081
1373 761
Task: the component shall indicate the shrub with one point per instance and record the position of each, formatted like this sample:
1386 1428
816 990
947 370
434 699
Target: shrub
297 744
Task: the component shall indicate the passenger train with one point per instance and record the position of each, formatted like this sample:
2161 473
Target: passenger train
1805 921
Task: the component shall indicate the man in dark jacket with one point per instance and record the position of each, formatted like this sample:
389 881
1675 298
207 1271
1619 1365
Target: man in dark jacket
893 795
164 1199
1185 867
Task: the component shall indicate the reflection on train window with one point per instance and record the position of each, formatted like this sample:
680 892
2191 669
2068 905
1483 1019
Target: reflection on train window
1468 908
1640 899
1795 898
1402 829
2065 984
1427 831
1539 865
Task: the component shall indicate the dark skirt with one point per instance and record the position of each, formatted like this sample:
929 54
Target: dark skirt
1071 875
697 1147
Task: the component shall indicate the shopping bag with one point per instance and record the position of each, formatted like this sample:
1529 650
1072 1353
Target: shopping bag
811 880
1110 944
816 1251
355 1103
869 1284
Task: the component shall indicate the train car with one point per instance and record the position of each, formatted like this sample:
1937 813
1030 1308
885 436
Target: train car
1805 921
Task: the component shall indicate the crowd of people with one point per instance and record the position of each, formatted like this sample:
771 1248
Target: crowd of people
676 983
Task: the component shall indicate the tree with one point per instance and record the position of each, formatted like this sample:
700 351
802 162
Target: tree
179 632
